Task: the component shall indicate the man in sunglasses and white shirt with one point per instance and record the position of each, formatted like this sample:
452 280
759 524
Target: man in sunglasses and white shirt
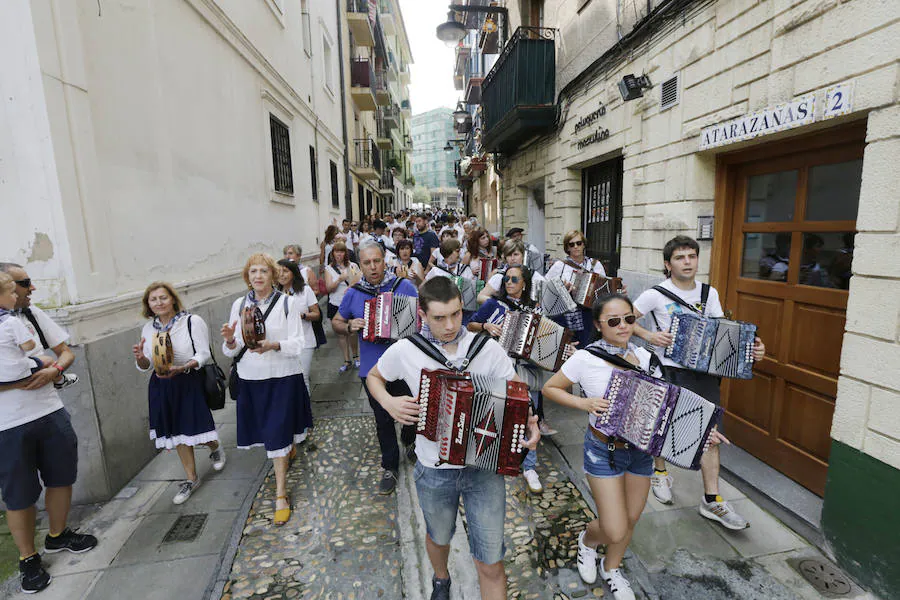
38 445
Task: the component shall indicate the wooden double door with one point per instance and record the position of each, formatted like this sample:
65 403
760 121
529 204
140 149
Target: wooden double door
790 209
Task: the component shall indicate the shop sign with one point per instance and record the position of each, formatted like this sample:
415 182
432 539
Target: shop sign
586 121
800 111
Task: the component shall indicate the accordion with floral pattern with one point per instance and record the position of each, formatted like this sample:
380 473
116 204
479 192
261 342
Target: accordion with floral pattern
716 346
476 420
658 418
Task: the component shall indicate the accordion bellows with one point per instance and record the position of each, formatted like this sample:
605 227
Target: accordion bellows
163 353
390 316
658 418
588 286
475 419
536 339
556 299
253 326
468 291
716 346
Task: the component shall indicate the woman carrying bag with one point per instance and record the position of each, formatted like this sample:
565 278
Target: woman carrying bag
178 411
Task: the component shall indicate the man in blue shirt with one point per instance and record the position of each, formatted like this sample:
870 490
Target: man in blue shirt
349 320
424 240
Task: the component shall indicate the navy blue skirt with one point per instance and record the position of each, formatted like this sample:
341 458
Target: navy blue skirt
178 411
274 413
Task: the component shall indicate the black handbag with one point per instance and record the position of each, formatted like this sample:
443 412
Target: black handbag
213 378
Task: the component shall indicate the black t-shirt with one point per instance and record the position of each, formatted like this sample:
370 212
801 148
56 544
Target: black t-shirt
423 244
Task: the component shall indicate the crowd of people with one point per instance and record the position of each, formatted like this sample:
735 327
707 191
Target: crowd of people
430 256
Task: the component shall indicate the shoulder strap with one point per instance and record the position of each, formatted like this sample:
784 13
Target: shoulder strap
191 335
704 296
613 359
396 284
655 363
359 288
677 298
33 320
428 349
477 346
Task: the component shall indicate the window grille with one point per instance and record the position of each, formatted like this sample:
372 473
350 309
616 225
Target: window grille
281 156
314 173
335 194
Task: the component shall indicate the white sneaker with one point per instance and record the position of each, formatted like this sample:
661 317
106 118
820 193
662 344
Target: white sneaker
217 457
618 585
661 486
534 482
187 488
722 512
587 561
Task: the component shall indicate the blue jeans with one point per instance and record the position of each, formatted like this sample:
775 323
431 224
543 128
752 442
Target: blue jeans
625 460
484 498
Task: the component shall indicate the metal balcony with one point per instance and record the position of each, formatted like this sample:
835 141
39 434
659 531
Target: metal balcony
362 28
386 182
367 159
473 89
518 95
362 82
383 128
382 93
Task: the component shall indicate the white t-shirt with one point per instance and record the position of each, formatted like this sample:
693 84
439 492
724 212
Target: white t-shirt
18 407
561 269
335 297
592 373
496 282
286 330
14 363
181 341
404 361
662 307
304 300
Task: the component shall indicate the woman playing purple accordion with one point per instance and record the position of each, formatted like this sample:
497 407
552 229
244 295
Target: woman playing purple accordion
619 478
273 406
179 416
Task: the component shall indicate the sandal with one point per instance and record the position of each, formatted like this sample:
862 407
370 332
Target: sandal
345 367
282 515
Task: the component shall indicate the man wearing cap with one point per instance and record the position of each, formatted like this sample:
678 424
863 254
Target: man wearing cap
534 260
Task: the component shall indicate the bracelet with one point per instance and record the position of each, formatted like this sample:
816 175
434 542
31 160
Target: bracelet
58 368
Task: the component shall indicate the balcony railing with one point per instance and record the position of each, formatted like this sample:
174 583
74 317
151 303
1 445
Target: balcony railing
367 156
386 182
362 73
361 25
518 95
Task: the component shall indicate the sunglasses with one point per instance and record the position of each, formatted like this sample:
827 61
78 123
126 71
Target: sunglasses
511 279
576 243
25 283
615 321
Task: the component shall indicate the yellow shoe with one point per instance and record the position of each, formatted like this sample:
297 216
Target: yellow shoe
282 515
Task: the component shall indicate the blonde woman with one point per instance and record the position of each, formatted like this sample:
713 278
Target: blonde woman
179 416
273 406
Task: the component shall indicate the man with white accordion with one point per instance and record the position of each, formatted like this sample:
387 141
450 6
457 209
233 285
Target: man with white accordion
444 344
349 319
679 294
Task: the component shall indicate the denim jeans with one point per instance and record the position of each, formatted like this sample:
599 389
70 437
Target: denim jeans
484 498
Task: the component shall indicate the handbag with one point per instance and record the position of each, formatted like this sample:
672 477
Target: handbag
213 378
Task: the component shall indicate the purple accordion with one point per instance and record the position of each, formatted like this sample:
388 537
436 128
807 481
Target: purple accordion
658 418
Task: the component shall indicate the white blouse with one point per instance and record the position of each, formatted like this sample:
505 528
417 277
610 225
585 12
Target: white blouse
563 270
181 341
304 300
286 330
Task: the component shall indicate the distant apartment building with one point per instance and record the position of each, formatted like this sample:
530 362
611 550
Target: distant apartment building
432 164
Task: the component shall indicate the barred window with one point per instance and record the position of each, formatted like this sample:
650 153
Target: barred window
314 173
335 194
281 156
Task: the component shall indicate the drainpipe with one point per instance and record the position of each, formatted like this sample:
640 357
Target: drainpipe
348 182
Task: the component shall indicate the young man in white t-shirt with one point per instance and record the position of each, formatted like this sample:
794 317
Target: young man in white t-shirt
680 257
439 486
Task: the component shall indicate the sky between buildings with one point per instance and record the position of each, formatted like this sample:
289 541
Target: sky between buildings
431 74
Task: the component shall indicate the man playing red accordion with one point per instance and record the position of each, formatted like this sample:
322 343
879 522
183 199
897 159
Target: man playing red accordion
439 486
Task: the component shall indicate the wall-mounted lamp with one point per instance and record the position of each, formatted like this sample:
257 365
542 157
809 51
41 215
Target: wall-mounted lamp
632 87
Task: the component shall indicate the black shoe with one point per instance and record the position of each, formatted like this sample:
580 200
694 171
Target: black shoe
411 453
71 541
34 577
388 482
440 589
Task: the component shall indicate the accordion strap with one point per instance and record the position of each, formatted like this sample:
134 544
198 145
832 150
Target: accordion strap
394 287
428 348
620 361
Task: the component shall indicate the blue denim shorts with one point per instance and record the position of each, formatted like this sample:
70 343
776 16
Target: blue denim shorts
484 498
630 460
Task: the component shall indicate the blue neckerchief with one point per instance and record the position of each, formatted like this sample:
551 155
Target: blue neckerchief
252 301
159 326
613 349
374 290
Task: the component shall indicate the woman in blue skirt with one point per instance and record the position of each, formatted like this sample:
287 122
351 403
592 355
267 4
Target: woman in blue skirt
273 406
179 416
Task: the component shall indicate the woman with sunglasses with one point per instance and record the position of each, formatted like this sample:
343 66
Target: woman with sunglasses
579 320
619 479
514 295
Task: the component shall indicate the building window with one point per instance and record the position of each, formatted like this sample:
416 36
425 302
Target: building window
281 156
314 173
335 194
329 68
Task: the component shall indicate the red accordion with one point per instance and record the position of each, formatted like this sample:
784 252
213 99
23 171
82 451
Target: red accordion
587 286
475 419
486 267
389 317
